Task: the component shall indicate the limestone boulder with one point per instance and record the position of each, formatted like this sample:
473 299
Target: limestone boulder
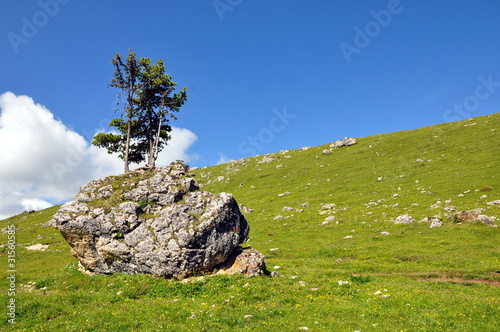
155 222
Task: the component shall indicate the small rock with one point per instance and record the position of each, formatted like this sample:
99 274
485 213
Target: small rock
492 203
38 247
469 215
436 223
266 159
326 151
486 220
404 219
278 217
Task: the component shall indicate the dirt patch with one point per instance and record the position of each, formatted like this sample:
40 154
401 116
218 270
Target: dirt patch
495 283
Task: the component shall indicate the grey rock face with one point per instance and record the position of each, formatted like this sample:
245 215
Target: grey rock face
154 222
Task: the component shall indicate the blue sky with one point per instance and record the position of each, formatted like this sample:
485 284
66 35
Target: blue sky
262 76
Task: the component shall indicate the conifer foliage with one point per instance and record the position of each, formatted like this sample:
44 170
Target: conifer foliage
147 102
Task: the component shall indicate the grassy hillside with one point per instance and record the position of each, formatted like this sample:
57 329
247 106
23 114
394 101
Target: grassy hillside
357 272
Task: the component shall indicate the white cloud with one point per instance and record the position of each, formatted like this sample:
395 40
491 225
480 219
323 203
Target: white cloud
44 161
176 149
223 159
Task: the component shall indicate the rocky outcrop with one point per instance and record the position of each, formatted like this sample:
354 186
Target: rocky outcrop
348 141
156 222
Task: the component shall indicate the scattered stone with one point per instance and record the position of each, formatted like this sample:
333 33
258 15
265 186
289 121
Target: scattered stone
38 247
326 151
486 220
288 208
248 262
327 208
330 218
278 217
493 203
284 194
404 219
385 233
339 260
381 178
266 159
345 142
468 216
348 237
436 223
449 208
304 148
340 282
245 209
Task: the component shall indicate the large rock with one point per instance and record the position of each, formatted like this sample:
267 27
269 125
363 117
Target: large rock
154 222
248 262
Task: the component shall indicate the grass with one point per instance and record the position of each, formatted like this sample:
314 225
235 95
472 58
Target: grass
413 279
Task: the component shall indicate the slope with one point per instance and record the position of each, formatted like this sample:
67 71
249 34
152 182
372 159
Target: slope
357 271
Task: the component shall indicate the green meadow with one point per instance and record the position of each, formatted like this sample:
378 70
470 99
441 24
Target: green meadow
359 271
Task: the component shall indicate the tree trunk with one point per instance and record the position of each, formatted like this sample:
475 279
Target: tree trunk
127 147
149 135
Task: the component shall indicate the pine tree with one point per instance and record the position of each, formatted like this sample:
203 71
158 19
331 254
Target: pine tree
149 103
